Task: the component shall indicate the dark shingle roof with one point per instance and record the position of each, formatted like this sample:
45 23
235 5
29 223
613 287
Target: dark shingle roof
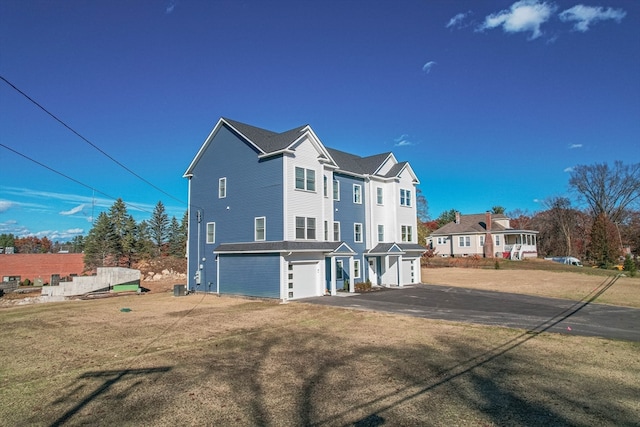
361 165
267 140
474 223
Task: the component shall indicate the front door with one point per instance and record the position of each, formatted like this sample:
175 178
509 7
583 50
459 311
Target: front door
373 271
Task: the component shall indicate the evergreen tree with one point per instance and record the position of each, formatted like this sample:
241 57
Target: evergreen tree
603 249
175 239
159 227
144 245
99 244
118 217
129 242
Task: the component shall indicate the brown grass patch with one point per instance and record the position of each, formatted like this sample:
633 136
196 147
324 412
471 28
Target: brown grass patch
574 286
207 360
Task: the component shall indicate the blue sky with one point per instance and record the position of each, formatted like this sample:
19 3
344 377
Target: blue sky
492 102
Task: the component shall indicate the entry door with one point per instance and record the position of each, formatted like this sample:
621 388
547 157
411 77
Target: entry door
373 271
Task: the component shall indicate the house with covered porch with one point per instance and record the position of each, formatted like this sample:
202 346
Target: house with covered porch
488 235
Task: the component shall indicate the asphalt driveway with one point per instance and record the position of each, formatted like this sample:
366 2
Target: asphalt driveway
534 314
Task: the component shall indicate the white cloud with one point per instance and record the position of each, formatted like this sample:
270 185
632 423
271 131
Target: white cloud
456 21
572 146
5 205
171 6
523 16
402 141
428 66
569 169
73 211
586 15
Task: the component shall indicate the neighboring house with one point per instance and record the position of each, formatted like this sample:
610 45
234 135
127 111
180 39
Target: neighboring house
280 215
40 268
483 234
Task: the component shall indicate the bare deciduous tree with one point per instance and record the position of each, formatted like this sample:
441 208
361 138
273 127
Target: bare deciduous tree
607 190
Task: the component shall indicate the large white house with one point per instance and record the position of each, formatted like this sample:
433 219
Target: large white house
281 215
488 235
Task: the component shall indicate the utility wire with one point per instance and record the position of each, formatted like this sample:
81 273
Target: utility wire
70 178
89 142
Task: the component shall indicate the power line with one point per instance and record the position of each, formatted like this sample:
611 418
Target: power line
70 178
89 142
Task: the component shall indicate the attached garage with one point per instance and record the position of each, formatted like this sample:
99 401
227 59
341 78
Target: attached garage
303 280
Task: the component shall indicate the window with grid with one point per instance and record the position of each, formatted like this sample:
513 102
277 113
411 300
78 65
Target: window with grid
357 233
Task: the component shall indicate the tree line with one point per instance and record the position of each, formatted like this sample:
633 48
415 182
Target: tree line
115 240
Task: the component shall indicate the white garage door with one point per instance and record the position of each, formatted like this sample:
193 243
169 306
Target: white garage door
408 272
305 280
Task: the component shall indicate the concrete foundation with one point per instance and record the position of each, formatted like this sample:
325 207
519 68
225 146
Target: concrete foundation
104 280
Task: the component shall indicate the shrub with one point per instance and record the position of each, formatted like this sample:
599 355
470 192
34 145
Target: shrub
630 266
26 282
363 286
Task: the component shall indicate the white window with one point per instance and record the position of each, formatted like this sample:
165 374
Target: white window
407 233
356 268
497 240
325 188
357 232
336 190
222 188
379 196
380 233
305 228
336 231
211 232
405 197
442 240
357 194
260 228
464 241
305 179
481 241
326 231
339 269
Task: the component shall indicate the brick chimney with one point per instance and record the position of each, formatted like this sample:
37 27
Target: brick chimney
488 239
457 217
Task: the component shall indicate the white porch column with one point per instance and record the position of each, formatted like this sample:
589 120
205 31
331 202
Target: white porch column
400 281
352 273
333 276
386 269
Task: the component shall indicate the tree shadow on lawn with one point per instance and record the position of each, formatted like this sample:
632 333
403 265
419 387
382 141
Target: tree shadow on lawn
317 375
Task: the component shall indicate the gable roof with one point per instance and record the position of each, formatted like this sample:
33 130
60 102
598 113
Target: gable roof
472 224
268 143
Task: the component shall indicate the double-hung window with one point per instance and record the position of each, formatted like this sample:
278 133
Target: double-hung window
356 268
405 197
260 228
305 179
336 190
497 240
407 233
305 228
380 233
336 231
357 232
211 232
222 188
481 241
379 196
325 188
464 241
357 194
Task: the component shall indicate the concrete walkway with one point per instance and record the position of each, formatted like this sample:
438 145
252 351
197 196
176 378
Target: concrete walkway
535 314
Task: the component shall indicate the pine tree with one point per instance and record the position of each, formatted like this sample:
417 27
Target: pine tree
144 245
99 243
159 227
118 217
175 240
